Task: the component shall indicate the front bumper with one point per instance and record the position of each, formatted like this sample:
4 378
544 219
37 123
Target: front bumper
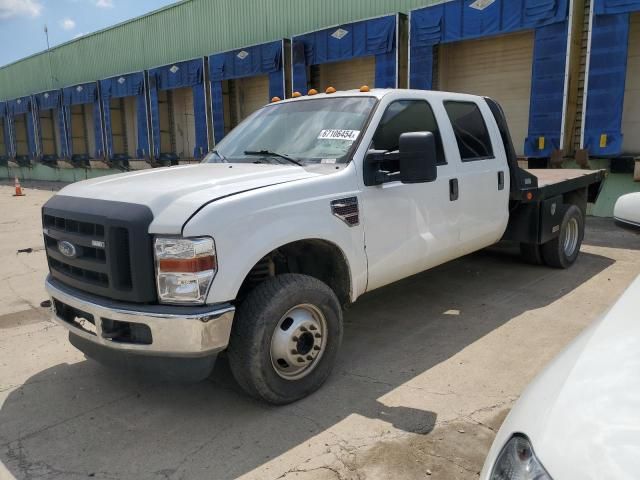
155 330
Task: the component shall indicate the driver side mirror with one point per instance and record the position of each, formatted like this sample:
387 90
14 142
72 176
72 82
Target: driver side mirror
418 157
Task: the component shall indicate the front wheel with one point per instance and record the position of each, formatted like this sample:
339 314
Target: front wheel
285 338
562 251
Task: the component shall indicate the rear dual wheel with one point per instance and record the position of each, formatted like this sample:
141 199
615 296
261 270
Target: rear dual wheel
562 251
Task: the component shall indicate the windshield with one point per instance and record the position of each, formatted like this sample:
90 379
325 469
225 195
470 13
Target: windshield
309 131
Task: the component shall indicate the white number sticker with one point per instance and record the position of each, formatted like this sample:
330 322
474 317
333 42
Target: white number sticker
335 134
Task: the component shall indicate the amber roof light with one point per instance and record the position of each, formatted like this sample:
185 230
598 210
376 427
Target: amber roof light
313 91
364 88
330 90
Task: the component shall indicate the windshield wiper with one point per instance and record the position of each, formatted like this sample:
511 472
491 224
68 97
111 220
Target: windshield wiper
272 154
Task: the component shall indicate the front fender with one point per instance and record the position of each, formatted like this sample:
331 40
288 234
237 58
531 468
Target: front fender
248 226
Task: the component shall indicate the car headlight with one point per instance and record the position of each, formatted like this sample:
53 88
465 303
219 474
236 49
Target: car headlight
517 461
185 268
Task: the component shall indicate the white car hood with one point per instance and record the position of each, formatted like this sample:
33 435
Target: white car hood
174 193
582 413
627 208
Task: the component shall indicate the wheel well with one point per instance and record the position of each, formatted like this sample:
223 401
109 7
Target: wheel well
577 198
317 258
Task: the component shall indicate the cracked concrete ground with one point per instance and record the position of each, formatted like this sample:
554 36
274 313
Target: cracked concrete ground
428 370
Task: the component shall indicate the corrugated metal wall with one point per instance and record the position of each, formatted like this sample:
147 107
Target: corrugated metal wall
189 29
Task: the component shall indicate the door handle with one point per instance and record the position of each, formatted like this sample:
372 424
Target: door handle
500 180
453 189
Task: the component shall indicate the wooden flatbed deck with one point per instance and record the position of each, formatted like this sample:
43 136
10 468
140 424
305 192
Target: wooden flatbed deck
552 176
552 182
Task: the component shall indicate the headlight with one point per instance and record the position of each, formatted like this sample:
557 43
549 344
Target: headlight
185 268
518 462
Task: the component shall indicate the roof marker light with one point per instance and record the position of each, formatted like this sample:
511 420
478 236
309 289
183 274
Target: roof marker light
364 88
275 99
330 90
313 91
296 94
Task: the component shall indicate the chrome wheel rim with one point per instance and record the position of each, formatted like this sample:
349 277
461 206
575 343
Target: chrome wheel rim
298 342
571 237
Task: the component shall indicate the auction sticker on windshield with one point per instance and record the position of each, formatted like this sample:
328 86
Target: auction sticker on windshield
336 134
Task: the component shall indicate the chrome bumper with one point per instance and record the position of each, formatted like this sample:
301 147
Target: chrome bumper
172 334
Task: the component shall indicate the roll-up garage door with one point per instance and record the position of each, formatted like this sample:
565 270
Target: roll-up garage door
118 126
631 112
166 121
345 75
185 124
79 131
253 93
499 68
245 96
20 131
48 132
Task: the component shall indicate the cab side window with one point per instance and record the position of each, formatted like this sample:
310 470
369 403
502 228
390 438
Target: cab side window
403 116
470 130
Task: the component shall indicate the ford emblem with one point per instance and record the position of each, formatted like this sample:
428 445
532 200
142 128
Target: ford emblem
67 249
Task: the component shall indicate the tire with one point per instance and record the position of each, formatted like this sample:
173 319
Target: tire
287 310
562 251
531 253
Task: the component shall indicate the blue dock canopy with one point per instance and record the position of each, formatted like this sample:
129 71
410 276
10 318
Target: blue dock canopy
460 20
85 93
23 106
374 37
51 100
130 85
607 77
264 59
173 76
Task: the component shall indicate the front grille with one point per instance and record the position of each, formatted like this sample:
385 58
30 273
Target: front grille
100 246
82 274
73 226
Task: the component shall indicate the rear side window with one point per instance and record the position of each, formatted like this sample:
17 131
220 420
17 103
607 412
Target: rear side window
471 132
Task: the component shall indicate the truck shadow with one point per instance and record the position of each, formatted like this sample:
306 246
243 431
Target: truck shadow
79 420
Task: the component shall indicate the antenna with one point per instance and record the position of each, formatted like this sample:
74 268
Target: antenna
46 34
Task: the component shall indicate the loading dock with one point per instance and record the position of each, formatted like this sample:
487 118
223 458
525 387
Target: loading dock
611 119
245 79
514 51
5 134
23 132
178 112
83 123
50 126
126 119
347 56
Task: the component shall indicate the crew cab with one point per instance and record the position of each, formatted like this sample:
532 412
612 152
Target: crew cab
305 206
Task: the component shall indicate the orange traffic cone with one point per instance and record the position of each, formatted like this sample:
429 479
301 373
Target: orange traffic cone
18 189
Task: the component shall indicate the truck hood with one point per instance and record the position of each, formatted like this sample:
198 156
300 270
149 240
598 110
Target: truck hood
174 193
581 413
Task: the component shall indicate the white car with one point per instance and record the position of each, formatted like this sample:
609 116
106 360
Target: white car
627 211
579 419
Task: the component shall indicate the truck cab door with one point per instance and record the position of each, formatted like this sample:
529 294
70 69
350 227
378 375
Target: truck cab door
408 227
483 173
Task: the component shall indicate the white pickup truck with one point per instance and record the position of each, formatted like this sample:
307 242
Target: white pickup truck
306 205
